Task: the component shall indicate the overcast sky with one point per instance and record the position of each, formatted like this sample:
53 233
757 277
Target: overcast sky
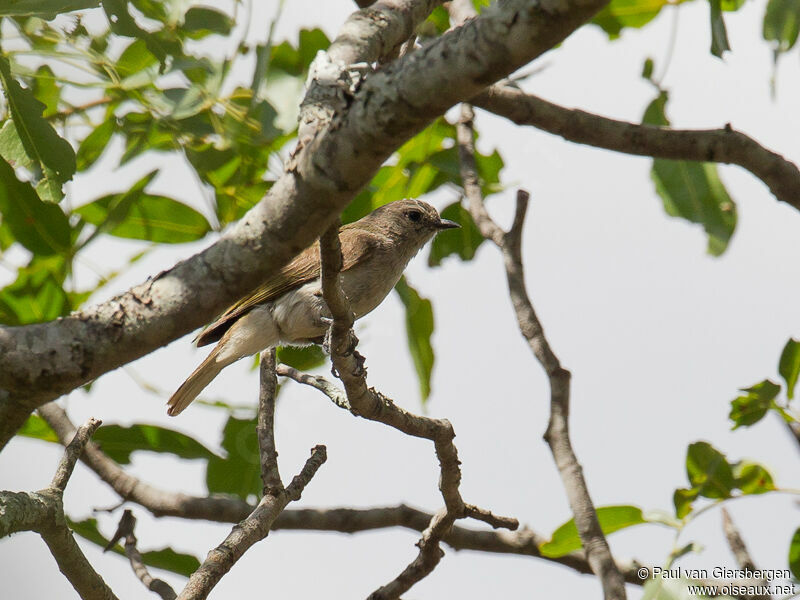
658 335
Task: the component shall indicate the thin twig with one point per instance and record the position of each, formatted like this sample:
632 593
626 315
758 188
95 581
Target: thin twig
337 395
72 453
127 523
265 429
557 434
253 529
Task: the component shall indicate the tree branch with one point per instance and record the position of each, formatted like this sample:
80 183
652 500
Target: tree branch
344 520
253 529
43 512
270 475
388 108
127 523
557 434
371 404
275 498
715 145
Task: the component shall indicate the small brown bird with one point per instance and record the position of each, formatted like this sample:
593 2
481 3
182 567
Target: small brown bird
289 309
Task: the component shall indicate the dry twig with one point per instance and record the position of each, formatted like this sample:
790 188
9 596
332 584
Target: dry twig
557 434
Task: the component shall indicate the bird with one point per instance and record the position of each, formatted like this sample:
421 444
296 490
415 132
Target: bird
288 308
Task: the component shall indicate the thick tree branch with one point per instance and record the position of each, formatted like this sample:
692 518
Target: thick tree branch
40 362
557 434
716 145
43 512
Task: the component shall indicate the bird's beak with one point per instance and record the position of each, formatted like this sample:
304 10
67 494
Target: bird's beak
447 224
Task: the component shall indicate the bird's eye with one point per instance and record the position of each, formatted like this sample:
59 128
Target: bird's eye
414 215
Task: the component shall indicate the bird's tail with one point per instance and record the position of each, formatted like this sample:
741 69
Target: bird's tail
195 383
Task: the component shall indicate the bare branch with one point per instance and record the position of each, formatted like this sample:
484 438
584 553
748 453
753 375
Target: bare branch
345 520
43 512
159 502
270 475
736 543
253 529
338 396
72 453
497 522
127 523
557 434
716 145
371 404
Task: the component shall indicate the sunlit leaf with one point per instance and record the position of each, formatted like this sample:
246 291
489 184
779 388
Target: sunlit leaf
36 427
794 554
28 139
751 407
565 539
789 366
782 23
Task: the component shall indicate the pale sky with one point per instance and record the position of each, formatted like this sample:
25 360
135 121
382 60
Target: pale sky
658 336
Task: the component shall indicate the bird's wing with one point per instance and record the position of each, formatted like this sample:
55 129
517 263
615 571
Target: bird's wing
301 270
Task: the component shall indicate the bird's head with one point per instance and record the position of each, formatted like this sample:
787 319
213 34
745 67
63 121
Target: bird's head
410 220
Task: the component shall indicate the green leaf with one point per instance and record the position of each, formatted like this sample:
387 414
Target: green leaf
719 34
683 499
39 226
95 143
419 329
619 14
46 9
782 23
28 139
752 478
46 90
201 21
239 473
37 294
794 554
302 358
137 215
463 242
789 366
565 539
135 58
36 427
166 558
170 560
118 442
708 471
692 190
751 408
